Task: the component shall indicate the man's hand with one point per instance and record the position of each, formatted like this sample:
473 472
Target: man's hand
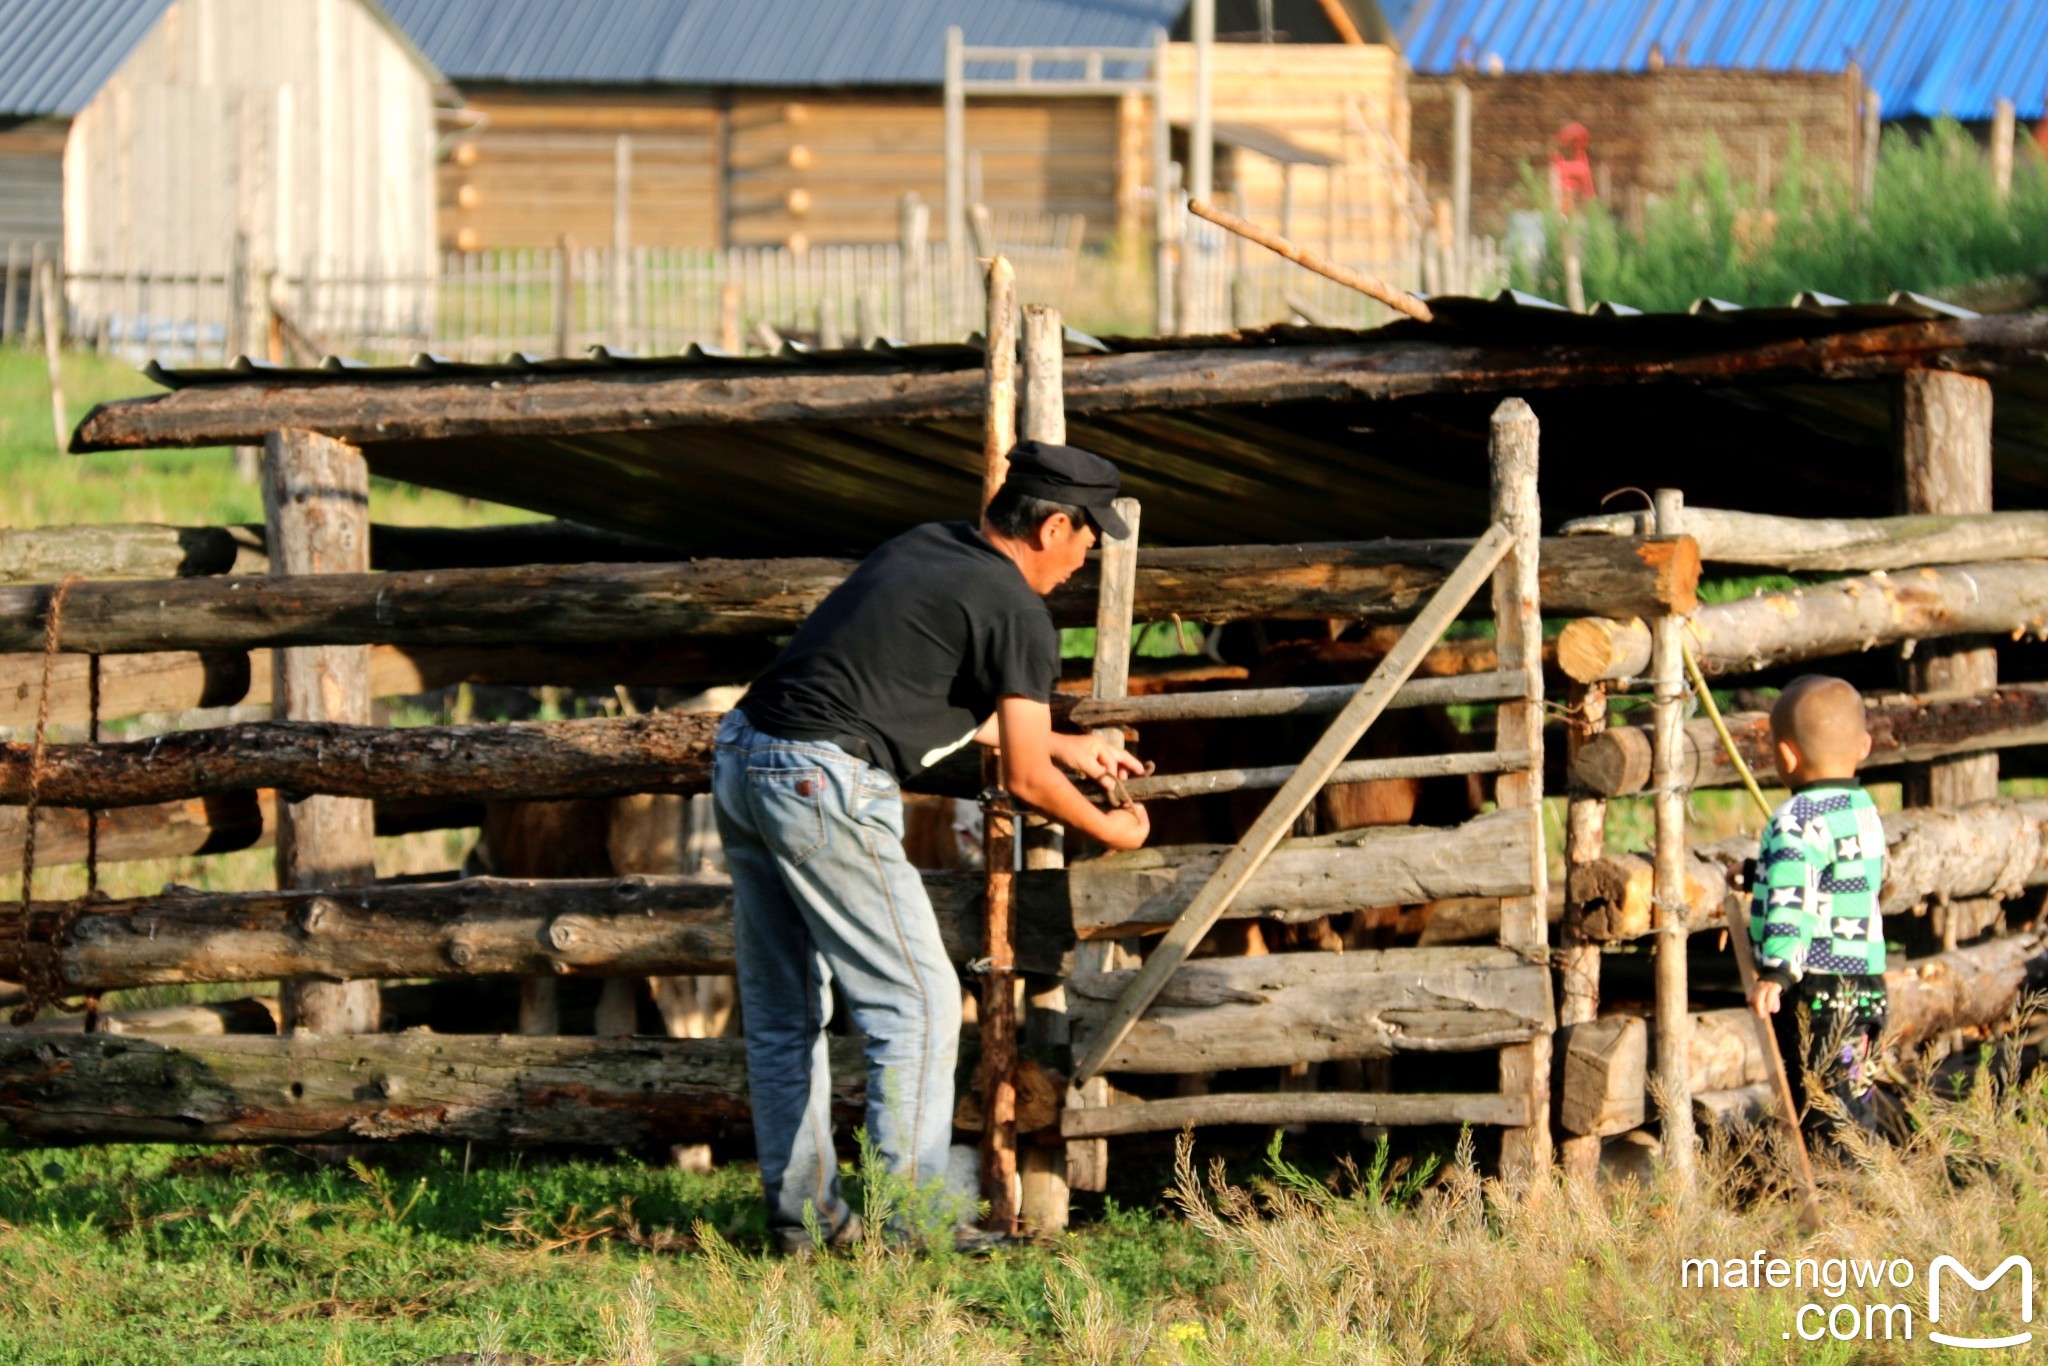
1093 757
1764 1000
1126 827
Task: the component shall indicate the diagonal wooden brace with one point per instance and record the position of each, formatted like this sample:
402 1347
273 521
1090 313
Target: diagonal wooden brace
1350 725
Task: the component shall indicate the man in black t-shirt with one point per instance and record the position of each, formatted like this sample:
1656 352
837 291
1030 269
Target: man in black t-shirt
940 638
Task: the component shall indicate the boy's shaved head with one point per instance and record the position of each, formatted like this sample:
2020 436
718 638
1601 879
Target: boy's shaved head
1823 716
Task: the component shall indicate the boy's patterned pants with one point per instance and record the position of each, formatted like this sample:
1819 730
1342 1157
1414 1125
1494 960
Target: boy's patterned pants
1842 1017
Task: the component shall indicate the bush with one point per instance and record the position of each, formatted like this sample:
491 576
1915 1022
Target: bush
1935 222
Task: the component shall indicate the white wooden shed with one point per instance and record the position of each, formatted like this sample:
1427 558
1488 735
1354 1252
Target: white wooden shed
160 144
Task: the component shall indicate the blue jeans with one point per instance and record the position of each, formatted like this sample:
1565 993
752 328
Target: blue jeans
822 891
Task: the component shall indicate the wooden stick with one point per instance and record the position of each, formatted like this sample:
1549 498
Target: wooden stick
1171 786
1673 1007
1370 285
1294 796
999 818
53 349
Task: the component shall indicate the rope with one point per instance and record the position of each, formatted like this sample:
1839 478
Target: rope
39 973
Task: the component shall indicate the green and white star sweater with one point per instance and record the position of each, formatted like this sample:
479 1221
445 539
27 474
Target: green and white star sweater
1819 867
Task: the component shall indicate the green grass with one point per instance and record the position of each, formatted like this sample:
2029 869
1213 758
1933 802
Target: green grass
44 487
1935 223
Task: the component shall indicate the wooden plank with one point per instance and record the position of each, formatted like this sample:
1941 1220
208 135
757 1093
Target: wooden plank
1210 782
316 512
1518 731
1605 1069
1215 1014
1195 377
1146 890
1838 544
1237 703
629 603
1236 867
1295 1107
586 927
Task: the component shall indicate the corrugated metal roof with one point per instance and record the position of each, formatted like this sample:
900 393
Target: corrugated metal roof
759 42
56 54
1925 57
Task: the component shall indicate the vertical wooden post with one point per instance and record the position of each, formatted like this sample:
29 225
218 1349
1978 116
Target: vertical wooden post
2002 129
1518 628
316 510
1201 133
564 292
1673 917
1459 263
31 316
1585 840
1043 417
1162 194
999 822
1945 467
955 111
913 235
1873 130
619 334
10 297
53 349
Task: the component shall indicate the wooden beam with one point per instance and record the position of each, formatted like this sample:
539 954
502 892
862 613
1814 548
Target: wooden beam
1902 730
1673 911
646 926
526 761
1848 616
411 1087
1271 1109
1851 544
612 604
316 513
1402 365
184 680
1144 891
1214 1014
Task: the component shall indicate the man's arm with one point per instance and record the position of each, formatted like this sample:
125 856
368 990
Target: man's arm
1033 776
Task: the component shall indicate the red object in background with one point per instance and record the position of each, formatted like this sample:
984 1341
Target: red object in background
1571 174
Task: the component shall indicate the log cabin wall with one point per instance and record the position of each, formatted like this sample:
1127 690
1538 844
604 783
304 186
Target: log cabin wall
540 164
32 182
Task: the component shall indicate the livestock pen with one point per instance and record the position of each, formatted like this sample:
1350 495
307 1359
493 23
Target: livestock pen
1270 468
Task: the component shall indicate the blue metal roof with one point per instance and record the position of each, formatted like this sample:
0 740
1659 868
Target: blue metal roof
1925 57
754 42
56 54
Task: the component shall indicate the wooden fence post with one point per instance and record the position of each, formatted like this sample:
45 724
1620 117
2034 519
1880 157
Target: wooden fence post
1673 916
2002 129
53 348
999 821
1518 628
1042 1165
316 508
1585 840
1945 467
565 293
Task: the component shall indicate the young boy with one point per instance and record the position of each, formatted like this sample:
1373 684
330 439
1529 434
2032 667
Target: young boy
1814 920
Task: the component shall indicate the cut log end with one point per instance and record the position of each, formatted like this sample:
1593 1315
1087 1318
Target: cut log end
1591 649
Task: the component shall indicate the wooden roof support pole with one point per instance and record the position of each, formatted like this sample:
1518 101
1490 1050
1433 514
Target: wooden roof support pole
1674 918
998 1015
316 511
1945 467
1518 629
1042 1165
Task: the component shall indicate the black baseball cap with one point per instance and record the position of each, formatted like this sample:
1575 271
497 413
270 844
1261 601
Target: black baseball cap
1068 474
